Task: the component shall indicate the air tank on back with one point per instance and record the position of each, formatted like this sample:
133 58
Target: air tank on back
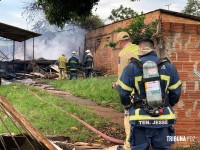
153 89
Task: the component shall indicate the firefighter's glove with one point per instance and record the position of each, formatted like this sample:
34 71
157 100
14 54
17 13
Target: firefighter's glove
114 85
126 112
132 98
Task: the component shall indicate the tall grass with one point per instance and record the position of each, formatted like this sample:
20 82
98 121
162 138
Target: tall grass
97 89
44 116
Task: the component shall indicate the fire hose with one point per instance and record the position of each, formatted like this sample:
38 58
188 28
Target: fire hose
106 137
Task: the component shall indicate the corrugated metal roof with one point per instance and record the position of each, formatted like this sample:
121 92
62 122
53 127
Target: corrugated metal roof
15 33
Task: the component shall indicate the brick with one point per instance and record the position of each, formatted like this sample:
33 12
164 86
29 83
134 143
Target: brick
178 65
190 28
177 27
198 67
166 26
182 57
184 95
173 56
192 76
188 66
183 75
190 85
194 95
195 56
181 132
191 49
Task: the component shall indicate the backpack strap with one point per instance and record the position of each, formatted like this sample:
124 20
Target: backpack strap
161 61
139 63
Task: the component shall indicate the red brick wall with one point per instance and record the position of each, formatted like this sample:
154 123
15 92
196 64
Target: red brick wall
106 58
181 43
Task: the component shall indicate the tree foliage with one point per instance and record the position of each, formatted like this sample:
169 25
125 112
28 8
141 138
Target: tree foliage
192 8
137 29
91 22
34 13
58 12
121 13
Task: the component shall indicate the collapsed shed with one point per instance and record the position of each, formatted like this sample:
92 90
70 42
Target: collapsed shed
17 34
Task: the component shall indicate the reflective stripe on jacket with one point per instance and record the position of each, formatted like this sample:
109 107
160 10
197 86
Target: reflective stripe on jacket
88 62
73 63
131 84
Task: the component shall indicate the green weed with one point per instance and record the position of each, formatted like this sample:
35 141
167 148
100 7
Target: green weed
44 114
97 89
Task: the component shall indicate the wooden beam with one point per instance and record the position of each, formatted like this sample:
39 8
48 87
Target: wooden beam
21 120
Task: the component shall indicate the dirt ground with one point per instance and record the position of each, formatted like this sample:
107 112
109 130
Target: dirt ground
113 115
106 112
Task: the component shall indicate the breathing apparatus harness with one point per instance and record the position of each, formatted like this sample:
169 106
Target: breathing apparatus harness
153 103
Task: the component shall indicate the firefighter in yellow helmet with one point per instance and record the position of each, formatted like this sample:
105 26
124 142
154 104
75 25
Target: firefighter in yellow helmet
62 61
128 50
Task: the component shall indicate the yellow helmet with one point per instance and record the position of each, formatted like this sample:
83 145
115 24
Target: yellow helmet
122 36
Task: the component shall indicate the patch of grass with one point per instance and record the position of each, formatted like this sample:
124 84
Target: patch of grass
50 120
97 89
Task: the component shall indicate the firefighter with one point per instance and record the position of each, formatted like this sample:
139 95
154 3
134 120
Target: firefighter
62 66
149 125
128 50
73 65
88 63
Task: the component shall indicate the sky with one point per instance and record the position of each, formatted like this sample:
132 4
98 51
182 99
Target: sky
73 40
11 10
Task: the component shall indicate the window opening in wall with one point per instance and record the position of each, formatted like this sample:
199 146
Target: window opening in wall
98 41
108 39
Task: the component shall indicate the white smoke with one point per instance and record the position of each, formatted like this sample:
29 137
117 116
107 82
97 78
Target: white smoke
53 43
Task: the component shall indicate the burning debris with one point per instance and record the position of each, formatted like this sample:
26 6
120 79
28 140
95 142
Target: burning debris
33 69
18 69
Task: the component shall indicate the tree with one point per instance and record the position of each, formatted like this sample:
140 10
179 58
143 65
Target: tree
91 22
137 29
121 13
58 12
34 13
192 8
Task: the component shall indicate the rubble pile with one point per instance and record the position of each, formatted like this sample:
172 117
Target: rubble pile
17 69
33 69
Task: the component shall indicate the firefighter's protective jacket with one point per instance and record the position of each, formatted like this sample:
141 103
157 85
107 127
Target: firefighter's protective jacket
131 84
129 50
88 62
73 63
62 62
